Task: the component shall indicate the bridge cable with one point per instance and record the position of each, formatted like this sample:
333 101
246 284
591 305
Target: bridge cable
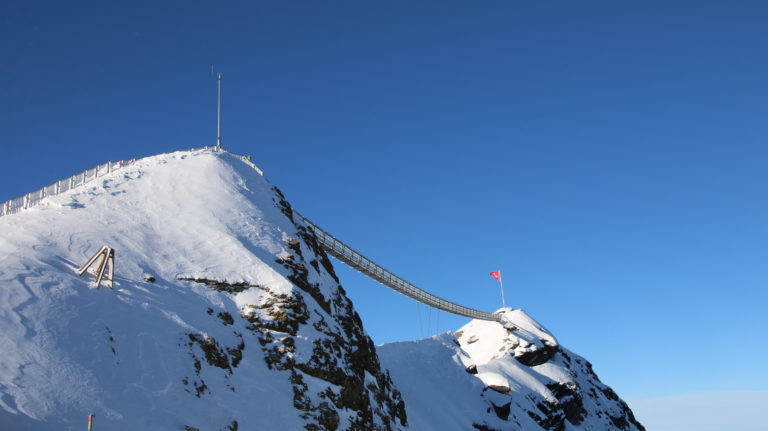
429 321
355 260
418 313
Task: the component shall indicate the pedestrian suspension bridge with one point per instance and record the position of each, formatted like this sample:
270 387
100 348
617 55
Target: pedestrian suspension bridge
328 242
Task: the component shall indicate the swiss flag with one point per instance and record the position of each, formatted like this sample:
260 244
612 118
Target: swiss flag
496 275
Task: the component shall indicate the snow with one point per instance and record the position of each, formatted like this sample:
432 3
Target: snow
437 393
195 214
128 354
483 339
440 392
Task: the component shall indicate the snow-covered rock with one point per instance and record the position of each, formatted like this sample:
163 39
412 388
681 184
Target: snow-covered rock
225 313
515 376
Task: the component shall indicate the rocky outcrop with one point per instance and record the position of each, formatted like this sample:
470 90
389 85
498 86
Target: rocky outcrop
217 285
312 334
514 376
534 356
315 333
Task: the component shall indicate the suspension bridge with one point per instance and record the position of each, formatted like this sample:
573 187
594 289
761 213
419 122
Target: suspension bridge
333 246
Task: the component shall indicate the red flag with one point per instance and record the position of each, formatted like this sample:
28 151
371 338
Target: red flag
496 275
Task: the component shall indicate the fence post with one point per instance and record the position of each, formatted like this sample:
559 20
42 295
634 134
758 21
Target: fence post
26 201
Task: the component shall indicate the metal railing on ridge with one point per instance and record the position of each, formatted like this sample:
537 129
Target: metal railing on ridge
21 203
28 200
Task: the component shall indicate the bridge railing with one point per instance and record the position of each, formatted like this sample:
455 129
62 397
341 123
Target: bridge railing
348 255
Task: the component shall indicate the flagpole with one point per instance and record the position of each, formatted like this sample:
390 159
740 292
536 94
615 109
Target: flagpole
501 287
218 116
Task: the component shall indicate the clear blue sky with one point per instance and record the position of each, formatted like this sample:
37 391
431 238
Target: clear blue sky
610 158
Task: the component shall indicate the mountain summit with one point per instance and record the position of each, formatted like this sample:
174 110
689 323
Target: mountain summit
487 377
226 314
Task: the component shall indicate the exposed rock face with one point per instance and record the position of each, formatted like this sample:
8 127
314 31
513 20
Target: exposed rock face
312 333
536 356
338 353
511 377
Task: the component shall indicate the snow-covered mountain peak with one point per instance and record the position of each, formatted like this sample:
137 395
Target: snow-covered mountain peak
226 313
519 336
511 376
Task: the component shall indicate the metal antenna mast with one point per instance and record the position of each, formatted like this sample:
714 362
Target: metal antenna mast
218 136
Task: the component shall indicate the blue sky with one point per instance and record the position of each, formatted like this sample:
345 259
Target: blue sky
609 158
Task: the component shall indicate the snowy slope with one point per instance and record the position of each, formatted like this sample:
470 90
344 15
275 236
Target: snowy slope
227 315
488 377
244 326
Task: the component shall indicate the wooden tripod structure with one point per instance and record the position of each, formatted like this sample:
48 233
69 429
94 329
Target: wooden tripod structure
105 256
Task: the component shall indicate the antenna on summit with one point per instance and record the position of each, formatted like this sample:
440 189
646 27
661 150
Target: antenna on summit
218 135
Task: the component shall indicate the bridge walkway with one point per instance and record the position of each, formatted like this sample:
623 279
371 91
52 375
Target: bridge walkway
354 259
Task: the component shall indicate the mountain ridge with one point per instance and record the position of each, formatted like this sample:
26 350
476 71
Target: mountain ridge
149 353
227 314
